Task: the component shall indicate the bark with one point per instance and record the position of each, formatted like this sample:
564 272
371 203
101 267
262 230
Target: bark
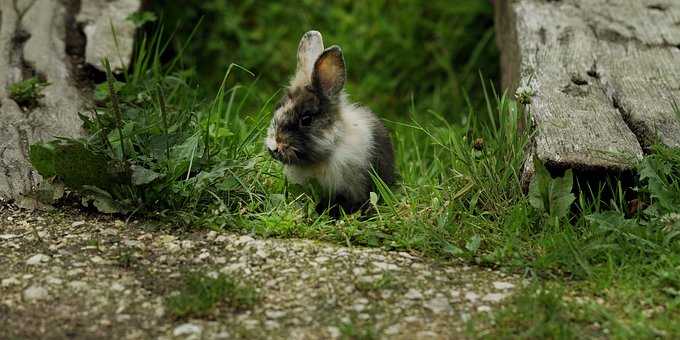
61 41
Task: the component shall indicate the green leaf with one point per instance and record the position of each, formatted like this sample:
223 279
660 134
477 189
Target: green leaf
551 196
42 156
473 244
101 199
142 17
142 175
373 198
101 91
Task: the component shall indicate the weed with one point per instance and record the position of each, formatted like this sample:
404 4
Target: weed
357 330
385 281
538 312
27 93
126 258
201 294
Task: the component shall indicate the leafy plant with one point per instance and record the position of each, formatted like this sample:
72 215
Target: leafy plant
551 196
27 93
153 147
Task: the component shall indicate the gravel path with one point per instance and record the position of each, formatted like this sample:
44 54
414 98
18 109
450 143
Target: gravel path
80 276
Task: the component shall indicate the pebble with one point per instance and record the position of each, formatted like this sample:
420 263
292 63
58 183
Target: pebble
334 332
187 329
438 305
12 281
493 297
413 294
483 308
77 285
37 259
77 224
275 314
471 296
34 293
392 330
54 280
385 266
503 285
117 287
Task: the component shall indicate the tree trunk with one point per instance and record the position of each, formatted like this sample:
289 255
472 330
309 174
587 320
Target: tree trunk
61 42
604 73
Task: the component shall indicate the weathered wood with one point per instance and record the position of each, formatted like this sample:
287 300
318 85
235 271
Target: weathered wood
44 38
604 75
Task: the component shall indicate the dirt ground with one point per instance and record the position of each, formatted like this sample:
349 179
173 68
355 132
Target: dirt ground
70 274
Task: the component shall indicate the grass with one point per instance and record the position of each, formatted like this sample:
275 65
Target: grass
603 257
394 54
202 294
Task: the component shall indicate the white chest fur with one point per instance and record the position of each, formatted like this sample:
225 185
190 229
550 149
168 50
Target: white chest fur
346 171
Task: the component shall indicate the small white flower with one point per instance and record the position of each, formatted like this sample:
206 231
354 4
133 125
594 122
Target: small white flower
524 94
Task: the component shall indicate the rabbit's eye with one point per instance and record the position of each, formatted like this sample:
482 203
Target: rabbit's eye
306 119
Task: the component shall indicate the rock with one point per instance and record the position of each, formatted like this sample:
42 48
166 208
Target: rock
34 293
8 282
493 297
37 259
97 259
51 280
413 294
77 285
471 296
483 308
117 287
385 266
77 224
438 305
187 244
333 332
392 330
187 329
503 285
275 314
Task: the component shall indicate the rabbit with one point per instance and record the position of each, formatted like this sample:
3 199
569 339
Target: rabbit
317 133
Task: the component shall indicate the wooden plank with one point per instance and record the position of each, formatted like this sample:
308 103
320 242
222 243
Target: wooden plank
604 75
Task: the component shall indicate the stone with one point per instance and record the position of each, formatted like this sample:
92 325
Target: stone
483 308
37 259
493 297
77 224
274 314
77 285
471 296
413 294
438 305
500 285
9 282
34 293
187 329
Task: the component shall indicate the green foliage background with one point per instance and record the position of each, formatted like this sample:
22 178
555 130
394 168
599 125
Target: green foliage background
427 53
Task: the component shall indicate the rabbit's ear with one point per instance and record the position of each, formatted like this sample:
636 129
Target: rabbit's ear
328 76
309 49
